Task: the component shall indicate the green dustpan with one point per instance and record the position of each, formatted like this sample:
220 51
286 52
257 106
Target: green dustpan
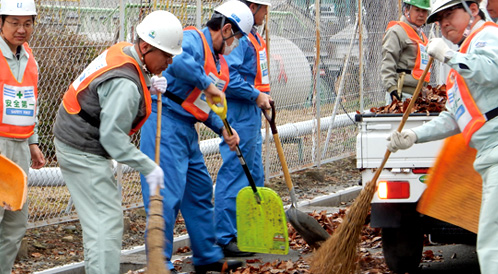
261 223
261 227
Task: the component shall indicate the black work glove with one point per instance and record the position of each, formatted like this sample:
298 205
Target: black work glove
394 95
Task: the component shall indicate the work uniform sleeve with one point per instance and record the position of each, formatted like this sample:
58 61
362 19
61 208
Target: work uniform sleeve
33 139
186 65
438 128
120 99
241 60
391 52
214 122
479 64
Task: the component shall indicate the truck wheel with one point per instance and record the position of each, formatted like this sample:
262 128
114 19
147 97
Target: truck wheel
402 248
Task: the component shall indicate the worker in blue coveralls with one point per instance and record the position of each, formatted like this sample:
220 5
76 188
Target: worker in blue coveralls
247 92
199 72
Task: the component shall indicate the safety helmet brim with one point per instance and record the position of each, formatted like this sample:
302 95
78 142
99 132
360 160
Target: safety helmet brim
266 3
422 4
439 6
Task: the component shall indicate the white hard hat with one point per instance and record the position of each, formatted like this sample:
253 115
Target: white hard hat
261 2
238 13
162 30
440 5
17 7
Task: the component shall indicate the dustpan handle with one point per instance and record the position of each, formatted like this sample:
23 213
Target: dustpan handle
221 110
280 151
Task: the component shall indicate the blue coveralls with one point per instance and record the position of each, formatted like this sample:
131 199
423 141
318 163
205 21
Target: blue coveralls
244 116
188 185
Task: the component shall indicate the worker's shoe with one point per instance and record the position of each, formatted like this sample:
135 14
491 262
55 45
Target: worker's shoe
174 271
223 266
232 250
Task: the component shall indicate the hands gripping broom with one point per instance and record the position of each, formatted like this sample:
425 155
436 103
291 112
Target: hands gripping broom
338 254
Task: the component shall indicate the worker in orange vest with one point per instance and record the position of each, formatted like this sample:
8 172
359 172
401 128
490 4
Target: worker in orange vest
109 101
247 92
18 113
472 91
404 54
199 70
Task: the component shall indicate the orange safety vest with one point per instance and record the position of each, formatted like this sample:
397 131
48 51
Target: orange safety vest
111 58
422 55
467 114
196 103
18 99
262 80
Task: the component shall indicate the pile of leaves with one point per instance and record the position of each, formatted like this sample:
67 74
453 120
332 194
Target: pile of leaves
431 99
368 263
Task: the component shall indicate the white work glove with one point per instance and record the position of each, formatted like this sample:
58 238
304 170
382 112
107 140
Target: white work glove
155 179
401 140
439 50
158 85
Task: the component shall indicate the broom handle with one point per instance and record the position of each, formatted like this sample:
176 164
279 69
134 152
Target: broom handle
158 132
405 117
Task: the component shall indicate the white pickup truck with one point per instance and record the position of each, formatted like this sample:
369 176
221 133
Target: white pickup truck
400 186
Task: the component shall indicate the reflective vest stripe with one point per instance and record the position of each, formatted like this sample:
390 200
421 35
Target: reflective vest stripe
18 99
422 56
263 86
111 58
195 103
468 116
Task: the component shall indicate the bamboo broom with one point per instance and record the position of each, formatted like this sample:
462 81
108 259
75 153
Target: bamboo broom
339 253
155 227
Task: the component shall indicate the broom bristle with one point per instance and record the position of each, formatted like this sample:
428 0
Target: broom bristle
155 237
338 254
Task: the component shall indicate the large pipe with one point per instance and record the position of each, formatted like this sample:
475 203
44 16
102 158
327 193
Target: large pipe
51 176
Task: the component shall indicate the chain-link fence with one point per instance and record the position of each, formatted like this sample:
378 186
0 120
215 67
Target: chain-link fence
321 74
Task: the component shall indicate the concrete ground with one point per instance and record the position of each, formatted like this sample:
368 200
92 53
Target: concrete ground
135 259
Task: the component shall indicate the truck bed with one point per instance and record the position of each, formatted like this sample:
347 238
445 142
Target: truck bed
371 143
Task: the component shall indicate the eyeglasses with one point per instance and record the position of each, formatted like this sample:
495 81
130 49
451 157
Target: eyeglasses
167 55
446 14
16 25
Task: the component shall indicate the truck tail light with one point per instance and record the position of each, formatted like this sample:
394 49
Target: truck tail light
420 170
393 190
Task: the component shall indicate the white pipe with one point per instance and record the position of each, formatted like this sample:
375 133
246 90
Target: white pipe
51 176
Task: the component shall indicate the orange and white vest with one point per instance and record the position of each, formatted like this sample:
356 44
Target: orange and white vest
262 80
422 58
111 58
467 114
196 103
18 99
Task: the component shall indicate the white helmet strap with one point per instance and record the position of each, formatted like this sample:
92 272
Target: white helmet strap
471 21
259 7
142 57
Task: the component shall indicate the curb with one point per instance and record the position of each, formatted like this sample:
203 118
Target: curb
129 257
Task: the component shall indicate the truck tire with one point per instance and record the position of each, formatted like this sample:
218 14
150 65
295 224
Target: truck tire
402 248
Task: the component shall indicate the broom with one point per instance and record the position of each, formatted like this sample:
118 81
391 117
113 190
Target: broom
155 227
338 254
